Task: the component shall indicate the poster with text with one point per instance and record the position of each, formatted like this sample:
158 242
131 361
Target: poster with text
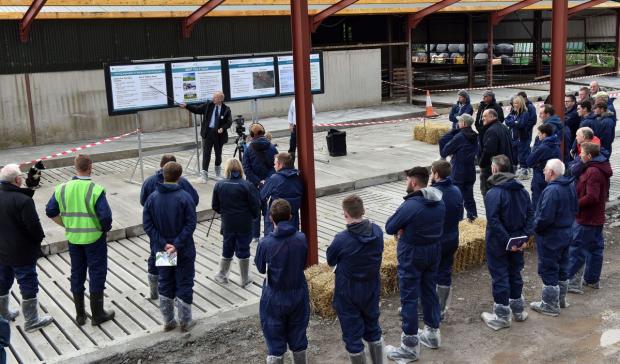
195 82
286 78
138 86
251 78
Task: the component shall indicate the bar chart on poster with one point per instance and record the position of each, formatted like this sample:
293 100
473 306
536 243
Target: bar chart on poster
196 81
252 78
286 78
137 87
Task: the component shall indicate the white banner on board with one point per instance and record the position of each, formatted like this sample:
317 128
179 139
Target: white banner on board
138 86
251 78
286 77
194 82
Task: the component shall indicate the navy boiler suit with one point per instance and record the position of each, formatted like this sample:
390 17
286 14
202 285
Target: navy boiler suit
462 145
169 217
509 214
553 224
421 218
149 186
548 149
453 200
356 253
237 201
285 183
284 302
92 257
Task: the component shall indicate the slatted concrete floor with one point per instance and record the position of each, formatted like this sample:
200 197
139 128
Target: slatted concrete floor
127 285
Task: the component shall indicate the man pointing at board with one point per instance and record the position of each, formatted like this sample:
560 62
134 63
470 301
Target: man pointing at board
214 130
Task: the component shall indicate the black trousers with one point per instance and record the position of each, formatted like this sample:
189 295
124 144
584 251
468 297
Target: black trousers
212 141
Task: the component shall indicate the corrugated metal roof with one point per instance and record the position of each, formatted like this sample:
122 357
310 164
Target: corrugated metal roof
256 8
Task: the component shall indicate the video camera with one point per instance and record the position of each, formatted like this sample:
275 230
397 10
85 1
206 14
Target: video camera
34 175
239 125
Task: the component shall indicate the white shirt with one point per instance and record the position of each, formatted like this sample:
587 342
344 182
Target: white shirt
291 113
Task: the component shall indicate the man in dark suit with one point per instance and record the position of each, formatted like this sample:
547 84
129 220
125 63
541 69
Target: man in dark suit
217 118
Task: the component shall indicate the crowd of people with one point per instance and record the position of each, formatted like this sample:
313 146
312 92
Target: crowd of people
564 212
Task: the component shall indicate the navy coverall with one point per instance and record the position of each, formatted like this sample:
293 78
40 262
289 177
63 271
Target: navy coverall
169 217
549 148
509 215
553 224
149 186
284 303
453 200
285 184
357 253
421 219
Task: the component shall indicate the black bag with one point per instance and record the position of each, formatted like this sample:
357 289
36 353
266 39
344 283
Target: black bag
336 143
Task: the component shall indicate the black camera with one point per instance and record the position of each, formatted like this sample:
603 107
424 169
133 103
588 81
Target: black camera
239 125
34 175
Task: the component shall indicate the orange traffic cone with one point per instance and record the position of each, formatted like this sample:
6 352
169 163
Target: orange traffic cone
429 106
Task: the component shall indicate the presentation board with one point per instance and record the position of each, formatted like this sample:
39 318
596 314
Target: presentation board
196 81
252 78
136 87
286 79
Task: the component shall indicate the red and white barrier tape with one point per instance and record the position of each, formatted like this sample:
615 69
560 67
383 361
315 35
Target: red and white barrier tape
77 149
500 86
368 122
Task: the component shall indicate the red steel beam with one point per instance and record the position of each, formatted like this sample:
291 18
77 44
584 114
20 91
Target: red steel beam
300 24
497 16
318 18
559 33
417 17
188 23
28 18
585 6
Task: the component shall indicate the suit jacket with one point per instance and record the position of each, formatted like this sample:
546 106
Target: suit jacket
206 110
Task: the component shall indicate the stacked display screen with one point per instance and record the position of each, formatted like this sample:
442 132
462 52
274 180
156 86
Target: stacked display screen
147 86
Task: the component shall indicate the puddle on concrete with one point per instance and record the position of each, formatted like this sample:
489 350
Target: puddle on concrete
610 337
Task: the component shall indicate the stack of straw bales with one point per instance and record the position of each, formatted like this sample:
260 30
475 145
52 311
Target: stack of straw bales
430 132
471 253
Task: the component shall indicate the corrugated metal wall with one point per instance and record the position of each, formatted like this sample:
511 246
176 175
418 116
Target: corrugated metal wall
60 45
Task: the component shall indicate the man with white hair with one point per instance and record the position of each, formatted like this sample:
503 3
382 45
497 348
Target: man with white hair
20 246
216 119
594 88
553 221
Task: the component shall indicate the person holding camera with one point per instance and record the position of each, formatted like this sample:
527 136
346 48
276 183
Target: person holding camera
292 126
258 165
20 247
238 202
217 118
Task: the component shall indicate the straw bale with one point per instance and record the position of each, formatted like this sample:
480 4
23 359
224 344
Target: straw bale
321 282
389 263
430 132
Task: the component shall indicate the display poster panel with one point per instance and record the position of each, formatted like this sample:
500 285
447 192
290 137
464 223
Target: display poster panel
195 82
251 78
138 87
286 78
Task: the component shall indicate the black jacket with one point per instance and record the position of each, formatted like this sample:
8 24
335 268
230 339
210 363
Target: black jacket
496 141
20 229
481 108
224 121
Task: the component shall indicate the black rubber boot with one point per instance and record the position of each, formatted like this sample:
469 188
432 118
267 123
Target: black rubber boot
99 315
80 312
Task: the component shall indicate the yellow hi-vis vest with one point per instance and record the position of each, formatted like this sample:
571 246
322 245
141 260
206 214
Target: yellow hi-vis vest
76 200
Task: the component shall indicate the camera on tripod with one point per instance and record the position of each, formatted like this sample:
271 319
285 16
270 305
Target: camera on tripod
240 141
239 125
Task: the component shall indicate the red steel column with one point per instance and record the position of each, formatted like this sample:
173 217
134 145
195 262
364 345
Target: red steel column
490 51
408 62
617 55
559 32
300 23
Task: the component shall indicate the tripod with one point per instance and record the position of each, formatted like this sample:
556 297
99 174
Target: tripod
240 144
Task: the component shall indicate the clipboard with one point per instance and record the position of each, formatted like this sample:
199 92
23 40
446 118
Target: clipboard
516 242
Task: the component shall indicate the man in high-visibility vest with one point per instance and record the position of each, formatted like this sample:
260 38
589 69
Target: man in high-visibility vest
80 206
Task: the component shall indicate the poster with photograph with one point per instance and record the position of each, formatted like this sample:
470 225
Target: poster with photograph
195 82
251 78
137 87
286 77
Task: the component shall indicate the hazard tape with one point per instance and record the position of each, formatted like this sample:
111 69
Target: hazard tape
83 147
499 86
395 121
